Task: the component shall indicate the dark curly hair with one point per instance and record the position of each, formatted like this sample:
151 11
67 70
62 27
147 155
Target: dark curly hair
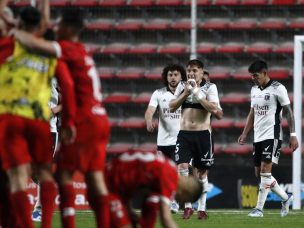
173 67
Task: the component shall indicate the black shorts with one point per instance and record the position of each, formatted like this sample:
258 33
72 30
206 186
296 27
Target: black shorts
197 145
267 151
168 151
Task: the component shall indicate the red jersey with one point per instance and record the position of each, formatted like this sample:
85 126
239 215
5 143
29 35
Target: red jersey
131 171
85 77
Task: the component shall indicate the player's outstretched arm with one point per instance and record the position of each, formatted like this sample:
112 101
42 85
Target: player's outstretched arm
149 118
165 216
247 128
38 44
293 141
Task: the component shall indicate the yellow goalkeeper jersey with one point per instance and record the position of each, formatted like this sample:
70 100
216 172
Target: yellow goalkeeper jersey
25 84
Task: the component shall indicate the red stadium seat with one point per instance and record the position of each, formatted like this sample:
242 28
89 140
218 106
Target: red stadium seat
235 98
117 98
112 3
130 73
113 122
118 148
259 48
227 2
129 24
283 2
85 3
157 24
133 122
145 147
173 48
241 74
217 149
300 2
243 23
284 48
296 23
205 48
254 2
182 24
219 73
240 124
59 3
168 2
22 3
199 2
215 23
101 24
144 48
92 48
154 73
116 48
278 73
142 98
237 149
106 72
231 47
273 23
223 123
141 2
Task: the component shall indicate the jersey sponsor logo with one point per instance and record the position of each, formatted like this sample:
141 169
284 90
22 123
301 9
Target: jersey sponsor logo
39 66
261 110
171 115
267 97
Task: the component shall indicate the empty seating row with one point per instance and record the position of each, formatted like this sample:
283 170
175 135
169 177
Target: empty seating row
216 73
202 48
120 3
185 24
226 123
230 149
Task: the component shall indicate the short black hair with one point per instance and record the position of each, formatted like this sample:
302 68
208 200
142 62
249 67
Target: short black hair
74 19
173 67
49 34
30 17
196 62
207 73
257 66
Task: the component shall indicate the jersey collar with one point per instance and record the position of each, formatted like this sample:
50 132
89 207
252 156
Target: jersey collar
268 84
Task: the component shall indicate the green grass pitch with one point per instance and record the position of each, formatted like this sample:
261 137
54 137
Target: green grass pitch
217 219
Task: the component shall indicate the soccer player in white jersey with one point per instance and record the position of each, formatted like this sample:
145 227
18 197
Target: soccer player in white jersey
198 100
55 109
168 121
268 99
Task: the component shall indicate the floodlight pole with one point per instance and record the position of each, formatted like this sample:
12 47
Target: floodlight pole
193 53
297 108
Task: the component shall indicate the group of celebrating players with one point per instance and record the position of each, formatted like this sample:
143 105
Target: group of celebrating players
28 63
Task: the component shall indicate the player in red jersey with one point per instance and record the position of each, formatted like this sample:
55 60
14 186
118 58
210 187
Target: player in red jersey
88 153
24 130
134 173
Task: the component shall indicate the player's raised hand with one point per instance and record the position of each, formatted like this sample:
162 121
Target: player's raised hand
68 135
293 143
242 139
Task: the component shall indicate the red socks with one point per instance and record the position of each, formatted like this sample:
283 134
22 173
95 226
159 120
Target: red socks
67 207
47 197
100 205
21 208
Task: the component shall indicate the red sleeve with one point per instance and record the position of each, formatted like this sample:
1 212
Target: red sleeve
7 46
168 182
66 84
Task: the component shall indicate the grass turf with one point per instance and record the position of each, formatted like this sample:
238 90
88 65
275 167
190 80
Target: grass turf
217 219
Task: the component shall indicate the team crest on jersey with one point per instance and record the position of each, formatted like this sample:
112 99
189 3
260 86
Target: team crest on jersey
267 97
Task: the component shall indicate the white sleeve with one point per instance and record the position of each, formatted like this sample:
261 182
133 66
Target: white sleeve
283 95
251 94
54 94
179 89
212 94
154 99
57 49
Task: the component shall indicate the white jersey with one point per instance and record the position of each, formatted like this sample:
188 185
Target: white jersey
52 104
267 105
169 122
209 91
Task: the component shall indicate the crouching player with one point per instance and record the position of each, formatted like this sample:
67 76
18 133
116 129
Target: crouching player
153 175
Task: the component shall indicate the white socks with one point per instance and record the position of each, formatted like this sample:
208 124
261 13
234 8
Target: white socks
185 173
38 202
202 200
268 182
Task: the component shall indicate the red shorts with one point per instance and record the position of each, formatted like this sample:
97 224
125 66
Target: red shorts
24 140
88 152
118 212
